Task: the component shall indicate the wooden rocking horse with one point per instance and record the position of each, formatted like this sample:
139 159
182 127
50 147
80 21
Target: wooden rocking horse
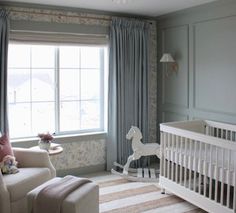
139 150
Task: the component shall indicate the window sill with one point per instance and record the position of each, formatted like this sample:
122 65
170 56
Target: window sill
62 139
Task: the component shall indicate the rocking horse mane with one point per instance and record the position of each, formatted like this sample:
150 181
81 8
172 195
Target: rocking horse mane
134 132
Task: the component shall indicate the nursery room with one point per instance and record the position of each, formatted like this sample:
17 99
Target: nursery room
117 106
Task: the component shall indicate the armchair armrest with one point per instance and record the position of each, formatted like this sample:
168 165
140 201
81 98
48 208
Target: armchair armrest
33 158
4 196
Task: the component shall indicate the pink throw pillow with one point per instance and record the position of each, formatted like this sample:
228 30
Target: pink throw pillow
5 147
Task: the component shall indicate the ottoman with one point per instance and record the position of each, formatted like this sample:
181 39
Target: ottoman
83 200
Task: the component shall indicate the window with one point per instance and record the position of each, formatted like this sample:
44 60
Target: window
58 89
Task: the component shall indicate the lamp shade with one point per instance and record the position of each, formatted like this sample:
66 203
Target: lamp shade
167 58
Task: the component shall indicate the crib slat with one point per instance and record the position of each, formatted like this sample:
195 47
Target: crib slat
164 157
146 173
177 160
205 170
162 149
217 132
195 166
169 155
172 157
140 173
163 154
181 160
206 163
228 175
200 168
222 133
190 163
222 178
185 162
234 196
213 132
211 168
216 175
152 174
207 130
227 134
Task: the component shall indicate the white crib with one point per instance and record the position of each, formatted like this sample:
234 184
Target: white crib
198 163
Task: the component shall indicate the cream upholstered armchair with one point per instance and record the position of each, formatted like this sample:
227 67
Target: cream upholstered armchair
35 168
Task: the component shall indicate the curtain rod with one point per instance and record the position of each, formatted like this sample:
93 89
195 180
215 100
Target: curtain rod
70 16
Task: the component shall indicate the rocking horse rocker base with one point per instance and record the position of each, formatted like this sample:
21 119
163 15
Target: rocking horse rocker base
139 149
140 174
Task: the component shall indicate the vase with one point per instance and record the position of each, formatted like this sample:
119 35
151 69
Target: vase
45 145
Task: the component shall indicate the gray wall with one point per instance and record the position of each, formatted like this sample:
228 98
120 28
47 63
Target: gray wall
203 42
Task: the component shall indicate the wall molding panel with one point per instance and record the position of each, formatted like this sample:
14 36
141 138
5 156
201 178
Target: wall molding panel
214 64
175 41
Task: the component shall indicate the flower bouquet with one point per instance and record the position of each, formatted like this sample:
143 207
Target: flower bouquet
45 140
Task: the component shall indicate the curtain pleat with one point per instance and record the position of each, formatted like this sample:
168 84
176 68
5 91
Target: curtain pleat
128 86
4 35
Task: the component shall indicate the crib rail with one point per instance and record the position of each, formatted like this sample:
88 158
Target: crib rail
203 164
220 132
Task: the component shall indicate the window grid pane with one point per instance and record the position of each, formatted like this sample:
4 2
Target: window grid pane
84 86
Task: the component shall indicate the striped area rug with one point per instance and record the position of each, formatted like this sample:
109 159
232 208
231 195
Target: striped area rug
118 195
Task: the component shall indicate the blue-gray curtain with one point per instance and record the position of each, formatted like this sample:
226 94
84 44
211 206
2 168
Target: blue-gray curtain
4 34
128 86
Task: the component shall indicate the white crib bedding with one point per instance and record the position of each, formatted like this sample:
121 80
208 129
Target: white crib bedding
195 162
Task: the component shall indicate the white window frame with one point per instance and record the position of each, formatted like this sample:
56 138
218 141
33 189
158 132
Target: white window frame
103 86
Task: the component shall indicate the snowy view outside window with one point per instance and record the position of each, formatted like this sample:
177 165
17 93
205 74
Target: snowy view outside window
56 88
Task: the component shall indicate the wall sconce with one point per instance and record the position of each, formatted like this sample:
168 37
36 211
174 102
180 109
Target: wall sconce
168 59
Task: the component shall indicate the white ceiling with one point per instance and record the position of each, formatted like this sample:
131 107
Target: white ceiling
138 7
